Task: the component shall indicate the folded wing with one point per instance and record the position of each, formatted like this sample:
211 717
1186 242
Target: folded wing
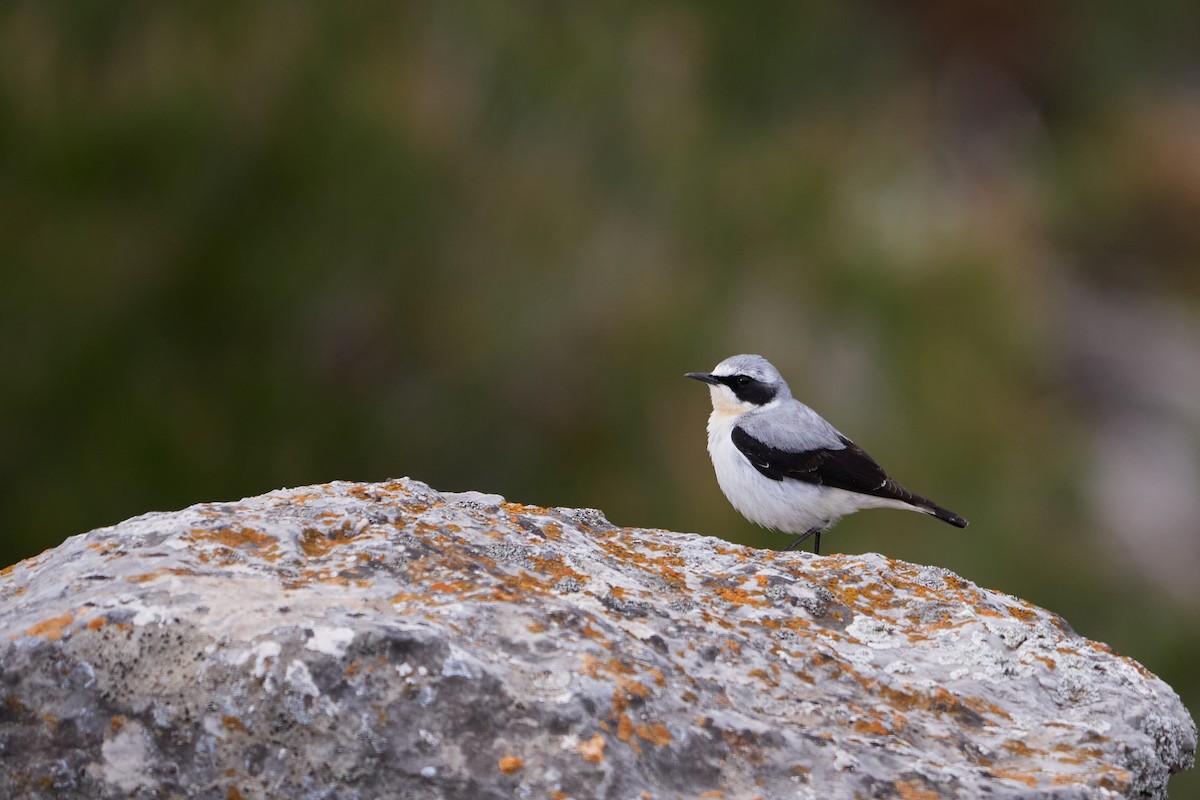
847 467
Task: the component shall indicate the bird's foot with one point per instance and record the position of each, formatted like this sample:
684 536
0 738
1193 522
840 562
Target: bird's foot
816 532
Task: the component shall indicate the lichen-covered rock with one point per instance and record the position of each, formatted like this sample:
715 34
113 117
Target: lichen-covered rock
359 641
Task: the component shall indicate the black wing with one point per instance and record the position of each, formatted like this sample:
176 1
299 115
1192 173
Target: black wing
848 468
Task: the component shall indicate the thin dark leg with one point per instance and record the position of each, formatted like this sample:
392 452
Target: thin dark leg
803 538
817 544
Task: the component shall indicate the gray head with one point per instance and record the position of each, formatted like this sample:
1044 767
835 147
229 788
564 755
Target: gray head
744 382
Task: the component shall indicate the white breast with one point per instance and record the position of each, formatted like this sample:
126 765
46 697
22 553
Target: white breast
788 505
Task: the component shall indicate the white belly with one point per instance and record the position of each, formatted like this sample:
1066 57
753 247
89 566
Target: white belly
788 505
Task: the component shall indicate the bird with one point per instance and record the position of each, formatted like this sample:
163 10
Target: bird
782 466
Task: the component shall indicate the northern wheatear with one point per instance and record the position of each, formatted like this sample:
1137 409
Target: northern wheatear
784 467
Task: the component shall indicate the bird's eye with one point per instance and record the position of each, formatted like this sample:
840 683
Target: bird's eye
743 380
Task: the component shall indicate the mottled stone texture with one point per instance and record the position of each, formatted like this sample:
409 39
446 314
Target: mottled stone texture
387 641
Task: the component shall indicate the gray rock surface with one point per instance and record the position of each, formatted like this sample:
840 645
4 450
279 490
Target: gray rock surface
359 641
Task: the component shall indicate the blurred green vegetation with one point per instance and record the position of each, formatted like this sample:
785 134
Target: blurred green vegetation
254 245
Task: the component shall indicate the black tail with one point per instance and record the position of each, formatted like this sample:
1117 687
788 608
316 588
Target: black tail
944 515
895 491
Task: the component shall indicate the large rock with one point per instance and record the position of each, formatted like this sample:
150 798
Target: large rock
385 640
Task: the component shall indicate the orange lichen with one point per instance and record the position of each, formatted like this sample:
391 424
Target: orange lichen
1019 748
631 688
871 726
145 577
592 666
556 568
1013 775
804 676
232 539
826 660
232 723
1073 755
449 587
983 707
415 598
1114 779
317 544
510 764
877 595
592 633
656 733
938 701
659 566
330 577
1022 613
763 675
954 582
52 628
593 749
624 728
96 623
739 597
666 570
521 508
915 789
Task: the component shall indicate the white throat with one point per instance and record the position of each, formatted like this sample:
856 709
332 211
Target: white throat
727 406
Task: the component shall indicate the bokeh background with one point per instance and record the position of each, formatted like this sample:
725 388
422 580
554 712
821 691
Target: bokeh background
262 244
